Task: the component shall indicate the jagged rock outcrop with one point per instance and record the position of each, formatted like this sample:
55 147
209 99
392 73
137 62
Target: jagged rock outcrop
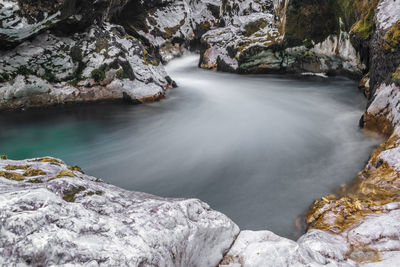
366 210
21 20
57 53
53 214
283 36
74 51
102 63
170 26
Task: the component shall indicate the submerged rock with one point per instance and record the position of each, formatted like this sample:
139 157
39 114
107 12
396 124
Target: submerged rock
57 215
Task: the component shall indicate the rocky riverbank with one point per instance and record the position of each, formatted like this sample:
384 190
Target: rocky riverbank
55 53
54 214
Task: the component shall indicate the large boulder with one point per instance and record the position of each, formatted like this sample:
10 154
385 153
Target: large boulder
374 241
53 214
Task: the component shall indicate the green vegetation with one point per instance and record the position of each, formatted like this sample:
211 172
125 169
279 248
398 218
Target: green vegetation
50 160
98 75
23 70
12 176
91 193
69 195
254 27
365 10
365 26
101 44
392 37
16 167
35 181
76 54
64 173
75 168
4 77
34 172
396 74
3 157
49 76
169 32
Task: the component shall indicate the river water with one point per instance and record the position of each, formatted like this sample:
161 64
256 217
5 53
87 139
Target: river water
259 148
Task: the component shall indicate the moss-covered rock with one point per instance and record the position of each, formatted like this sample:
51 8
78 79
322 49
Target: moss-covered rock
75 168
12 176
69 195
65 173
392 37
16 167
312 20
34 172
98 75
396 75
50 160
254 27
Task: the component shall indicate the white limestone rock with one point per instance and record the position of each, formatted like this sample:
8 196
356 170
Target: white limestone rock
374 241
100 64
66 217
387 13
178 22
385 102
15 28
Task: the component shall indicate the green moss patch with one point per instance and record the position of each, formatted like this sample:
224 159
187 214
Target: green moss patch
69 195
24 70
91 193
16 167
101 44
254 27
12 176
34 172
365 26
4 77
50 160
365 10
75 168
98 75
392 37
35 181
396 74
64 173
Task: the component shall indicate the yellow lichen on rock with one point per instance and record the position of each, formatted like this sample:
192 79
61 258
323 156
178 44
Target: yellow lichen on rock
50 160
34 172
396 74
64 173
392 37
378 184
16 167
12 176
75 168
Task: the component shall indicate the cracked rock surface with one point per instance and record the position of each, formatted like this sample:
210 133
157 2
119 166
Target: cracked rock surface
53 214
